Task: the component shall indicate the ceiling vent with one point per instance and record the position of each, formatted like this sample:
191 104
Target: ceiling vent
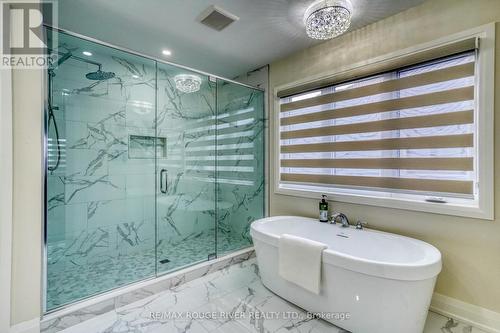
217 18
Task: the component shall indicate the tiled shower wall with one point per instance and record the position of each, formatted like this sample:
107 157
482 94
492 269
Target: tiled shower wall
103 198
100 210
98 197
243 183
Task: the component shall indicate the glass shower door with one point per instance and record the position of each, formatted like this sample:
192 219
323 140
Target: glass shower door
100 197
151 167
185 168
240 164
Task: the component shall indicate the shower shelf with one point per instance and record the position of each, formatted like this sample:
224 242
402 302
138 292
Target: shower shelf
142 146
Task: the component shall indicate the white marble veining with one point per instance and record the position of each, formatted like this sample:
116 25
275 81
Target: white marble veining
108 222
237 302
69 317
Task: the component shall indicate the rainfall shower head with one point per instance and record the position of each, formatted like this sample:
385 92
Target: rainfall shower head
99 75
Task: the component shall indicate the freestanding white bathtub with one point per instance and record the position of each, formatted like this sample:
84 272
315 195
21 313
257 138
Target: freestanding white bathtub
371 281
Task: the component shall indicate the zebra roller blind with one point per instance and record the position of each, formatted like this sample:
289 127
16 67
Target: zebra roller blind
407 130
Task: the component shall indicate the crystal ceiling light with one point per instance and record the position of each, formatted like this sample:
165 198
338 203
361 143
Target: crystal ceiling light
187 83
326 19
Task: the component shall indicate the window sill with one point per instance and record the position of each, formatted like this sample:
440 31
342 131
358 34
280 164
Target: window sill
460 208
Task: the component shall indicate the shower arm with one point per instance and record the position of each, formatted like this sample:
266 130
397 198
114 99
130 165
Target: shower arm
99 65
88 61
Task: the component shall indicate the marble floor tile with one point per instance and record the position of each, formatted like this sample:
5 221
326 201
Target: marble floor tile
97 324
190 326
230 300
68 281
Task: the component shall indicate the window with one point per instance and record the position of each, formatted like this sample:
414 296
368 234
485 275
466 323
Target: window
409 134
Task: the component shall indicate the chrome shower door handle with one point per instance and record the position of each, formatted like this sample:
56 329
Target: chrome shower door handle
163 189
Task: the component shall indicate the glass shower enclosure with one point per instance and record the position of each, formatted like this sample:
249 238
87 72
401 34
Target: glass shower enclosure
150 167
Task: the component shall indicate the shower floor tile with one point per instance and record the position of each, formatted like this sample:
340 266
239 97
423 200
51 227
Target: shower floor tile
69 280
203 305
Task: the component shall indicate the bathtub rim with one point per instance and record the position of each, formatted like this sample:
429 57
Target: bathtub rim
426 269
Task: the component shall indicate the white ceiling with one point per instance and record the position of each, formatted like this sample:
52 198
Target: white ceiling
267 29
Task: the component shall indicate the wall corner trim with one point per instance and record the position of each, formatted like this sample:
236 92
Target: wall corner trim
484 319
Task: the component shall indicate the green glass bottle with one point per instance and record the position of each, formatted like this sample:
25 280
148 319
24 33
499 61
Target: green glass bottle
323 209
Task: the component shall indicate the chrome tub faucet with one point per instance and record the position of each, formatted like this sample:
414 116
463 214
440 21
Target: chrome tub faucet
339 218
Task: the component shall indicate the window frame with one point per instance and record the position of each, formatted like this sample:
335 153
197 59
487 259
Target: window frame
483 206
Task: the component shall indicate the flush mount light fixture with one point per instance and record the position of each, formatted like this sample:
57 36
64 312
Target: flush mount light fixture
87 53
166 52
187 83
326 19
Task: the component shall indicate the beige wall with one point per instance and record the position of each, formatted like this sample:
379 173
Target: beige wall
5 196
26 270
27 195
470 247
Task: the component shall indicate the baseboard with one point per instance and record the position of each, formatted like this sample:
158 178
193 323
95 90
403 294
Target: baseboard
30 326
484 319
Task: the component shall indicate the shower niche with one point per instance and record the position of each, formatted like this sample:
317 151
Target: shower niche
150 167
142 146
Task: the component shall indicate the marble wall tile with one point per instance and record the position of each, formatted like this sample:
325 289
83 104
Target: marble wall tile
89 243
86 162
56 230
107 138
149 207
98 174
140 112
76 135
132 237
55 195
114 192
75 218
105 212
113 212
241 181
82 108
140 185
79 189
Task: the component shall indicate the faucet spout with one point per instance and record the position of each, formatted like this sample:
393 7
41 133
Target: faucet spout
340 218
